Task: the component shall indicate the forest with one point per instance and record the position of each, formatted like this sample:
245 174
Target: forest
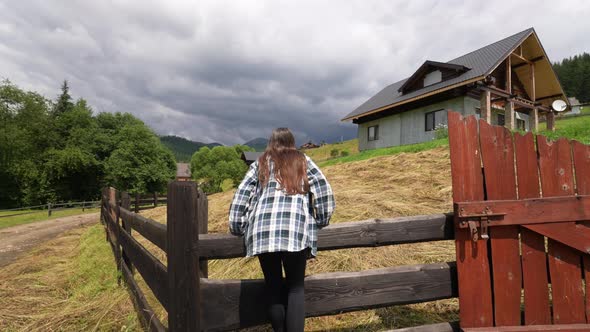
574 75
60 150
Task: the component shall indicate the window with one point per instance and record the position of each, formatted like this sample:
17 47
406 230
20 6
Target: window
435 118
501 120
373 133
520 125
432 77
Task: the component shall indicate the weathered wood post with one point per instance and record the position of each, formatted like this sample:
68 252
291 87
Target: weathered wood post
155 195
114 215
184 203
126 204
49 209
203 222
136 203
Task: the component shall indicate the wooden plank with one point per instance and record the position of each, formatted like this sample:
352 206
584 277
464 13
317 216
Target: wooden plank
486 105
555 166
150 268
232 304
497 154
581 154
152 230
529 211
537 310
533 328
125 204
475 295
533 93
586 263
149 321
202 222
183 256
568 233
581 157
535 120
367 233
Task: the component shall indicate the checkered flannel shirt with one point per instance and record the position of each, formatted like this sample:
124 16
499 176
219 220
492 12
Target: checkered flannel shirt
273 221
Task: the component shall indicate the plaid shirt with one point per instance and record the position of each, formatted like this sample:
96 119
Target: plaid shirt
273 221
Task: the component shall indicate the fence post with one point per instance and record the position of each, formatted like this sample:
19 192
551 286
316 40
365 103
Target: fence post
184 310
155 199
115 218
49 209
126 204
203 223
136 202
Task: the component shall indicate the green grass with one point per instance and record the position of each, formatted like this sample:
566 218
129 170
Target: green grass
576 128
37 216
323 153
367 154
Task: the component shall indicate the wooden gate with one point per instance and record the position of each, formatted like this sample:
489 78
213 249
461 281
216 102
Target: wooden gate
522 245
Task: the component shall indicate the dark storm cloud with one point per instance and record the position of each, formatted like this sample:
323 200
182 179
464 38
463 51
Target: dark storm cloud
229 71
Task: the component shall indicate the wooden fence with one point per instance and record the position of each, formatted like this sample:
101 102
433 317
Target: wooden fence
196 303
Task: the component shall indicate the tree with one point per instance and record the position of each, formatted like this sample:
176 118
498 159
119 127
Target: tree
210 167
64 101
140 163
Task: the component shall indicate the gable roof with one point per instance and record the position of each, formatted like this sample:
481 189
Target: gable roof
426 66
481 61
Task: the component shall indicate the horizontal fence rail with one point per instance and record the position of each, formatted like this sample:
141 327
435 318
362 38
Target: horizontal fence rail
232 304
50 207
367 233
196 303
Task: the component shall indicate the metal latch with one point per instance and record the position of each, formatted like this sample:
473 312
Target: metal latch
478 219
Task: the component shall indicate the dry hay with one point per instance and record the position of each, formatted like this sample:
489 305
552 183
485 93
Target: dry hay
67 284
382 187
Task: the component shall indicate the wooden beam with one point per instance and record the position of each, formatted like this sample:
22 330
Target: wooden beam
550 121
532 60
527 211
510 115
152 230
182 252
150 268
486 106
534 122
508 76
521 57
569 233
234 304
367 233
533 87
148 319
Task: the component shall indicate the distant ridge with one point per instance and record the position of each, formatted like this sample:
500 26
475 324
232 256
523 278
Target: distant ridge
183 148
258 144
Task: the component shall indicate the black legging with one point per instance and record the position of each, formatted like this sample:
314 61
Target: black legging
291 318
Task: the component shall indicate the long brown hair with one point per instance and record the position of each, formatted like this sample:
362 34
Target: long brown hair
289 165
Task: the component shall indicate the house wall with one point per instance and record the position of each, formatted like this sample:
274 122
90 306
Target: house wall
409 127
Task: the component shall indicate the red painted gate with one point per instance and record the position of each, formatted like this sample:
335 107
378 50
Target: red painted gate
522 246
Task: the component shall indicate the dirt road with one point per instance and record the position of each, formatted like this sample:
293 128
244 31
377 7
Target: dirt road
17 239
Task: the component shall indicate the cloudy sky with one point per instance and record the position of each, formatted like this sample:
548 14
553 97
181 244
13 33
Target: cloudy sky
230 71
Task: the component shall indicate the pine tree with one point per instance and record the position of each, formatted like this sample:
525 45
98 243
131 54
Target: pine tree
64 102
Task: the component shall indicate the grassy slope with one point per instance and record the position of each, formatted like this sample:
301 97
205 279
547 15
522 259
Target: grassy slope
577 128
67 284
38 216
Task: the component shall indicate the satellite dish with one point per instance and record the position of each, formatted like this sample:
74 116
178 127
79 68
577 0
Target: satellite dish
559 105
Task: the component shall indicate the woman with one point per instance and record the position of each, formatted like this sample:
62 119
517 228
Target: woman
272 209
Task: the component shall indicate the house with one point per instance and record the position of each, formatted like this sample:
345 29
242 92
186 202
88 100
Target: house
576 107
183 172
510 82
250 157
309 145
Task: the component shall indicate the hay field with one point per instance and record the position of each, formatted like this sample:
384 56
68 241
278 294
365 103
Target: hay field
389 186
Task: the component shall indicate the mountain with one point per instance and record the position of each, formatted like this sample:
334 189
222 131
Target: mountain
183 148
259 144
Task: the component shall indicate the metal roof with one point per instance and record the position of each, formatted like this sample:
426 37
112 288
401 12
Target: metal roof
482 62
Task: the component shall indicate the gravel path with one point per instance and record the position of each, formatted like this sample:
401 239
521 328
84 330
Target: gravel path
18 239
